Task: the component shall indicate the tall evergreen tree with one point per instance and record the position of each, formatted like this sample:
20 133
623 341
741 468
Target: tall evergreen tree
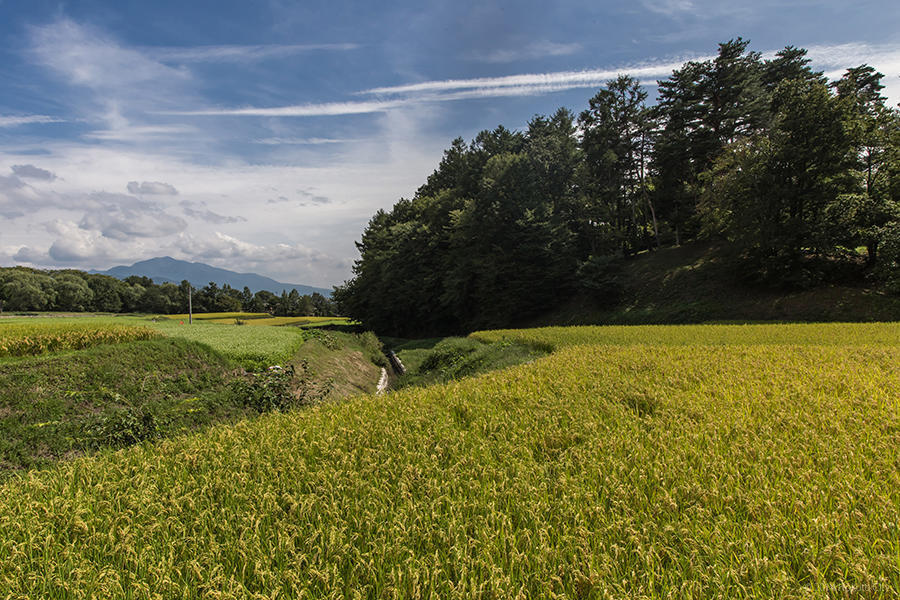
613 129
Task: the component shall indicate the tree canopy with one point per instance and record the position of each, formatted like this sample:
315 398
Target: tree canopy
26 289
799 179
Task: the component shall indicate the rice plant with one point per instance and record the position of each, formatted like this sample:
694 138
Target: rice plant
20 338
643 463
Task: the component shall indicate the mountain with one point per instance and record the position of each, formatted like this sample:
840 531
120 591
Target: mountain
166 268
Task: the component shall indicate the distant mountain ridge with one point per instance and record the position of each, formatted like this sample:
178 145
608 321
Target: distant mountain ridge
167 269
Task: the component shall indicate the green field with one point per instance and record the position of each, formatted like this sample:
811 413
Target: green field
256 347
686 462
253 348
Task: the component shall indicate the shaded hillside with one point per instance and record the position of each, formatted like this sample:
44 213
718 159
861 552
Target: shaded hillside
694 284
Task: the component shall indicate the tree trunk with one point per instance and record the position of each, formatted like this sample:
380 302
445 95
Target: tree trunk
655 224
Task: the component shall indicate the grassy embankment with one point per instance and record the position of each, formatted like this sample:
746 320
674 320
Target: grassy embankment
694 284
440 360
744 461
99 383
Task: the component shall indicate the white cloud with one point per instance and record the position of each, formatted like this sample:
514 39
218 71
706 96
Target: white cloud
305 197
281 141
109 83
540 82
670 7
18 198
74 244
531 84
529 51
29 255
836 59
364 177
122 218
15 121
125 133
223 246
33 172
90 58
299 110
235 53
150 188
207 216
450 90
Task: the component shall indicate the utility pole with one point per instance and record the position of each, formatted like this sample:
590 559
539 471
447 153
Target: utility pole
190 307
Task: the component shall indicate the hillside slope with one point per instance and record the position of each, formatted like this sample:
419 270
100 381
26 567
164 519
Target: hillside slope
694 284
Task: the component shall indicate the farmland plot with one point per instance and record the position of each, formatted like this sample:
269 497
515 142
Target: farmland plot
28 338
718 468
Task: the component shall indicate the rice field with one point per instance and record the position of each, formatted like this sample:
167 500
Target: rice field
827 334
33 337
691 462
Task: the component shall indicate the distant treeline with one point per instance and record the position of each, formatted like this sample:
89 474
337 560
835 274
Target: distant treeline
25 289
798 178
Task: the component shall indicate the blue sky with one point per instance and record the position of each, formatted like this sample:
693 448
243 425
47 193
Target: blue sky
261 136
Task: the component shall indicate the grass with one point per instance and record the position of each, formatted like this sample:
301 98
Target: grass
252 347
32 337
685 462
66 404
55 407
440 360
344 363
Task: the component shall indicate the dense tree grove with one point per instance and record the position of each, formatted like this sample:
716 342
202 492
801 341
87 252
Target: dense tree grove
25 289
799 179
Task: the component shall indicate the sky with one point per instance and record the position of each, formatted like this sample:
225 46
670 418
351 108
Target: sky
262 136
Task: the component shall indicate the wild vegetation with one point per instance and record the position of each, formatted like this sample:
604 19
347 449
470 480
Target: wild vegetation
691 461
794 179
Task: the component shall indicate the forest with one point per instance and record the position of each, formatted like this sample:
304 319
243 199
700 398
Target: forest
70 290
795 178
